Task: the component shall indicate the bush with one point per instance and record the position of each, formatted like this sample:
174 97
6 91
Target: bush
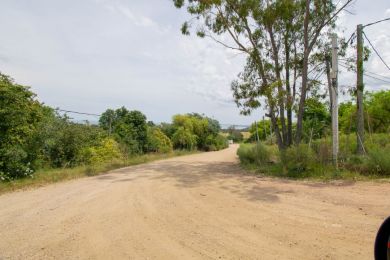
297 160
379 161
158 141
20 114
184 139
215 143
253 154
107 150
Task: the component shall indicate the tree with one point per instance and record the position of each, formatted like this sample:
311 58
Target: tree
128 127
275 36
262 128
196 131
316 119
184 139
158 141
20 114
378 111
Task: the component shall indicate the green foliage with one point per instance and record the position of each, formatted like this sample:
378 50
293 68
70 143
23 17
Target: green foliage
378 110
128 127
253 154
62 141
184 139
316 119
376 116
215 143
106 150
167 129
20 114
196 131
262 128
158 141
379 161
347 117
297 160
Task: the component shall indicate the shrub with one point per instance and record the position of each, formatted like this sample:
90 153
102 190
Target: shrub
184 139
215 143
158 141
107 150
253 154
379 161
297 160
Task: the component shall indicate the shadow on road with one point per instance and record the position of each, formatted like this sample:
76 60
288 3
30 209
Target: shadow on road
224 175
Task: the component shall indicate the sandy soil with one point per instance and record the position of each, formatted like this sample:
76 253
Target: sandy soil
194 207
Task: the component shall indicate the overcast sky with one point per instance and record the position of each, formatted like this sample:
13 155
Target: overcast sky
90 55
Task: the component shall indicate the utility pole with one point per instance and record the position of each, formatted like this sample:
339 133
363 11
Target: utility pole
359 91
334 103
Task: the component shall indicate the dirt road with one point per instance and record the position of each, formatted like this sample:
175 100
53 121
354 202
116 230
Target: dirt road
194 207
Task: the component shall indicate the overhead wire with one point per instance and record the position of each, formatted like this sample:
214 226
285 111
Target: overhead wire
383 20
377 53
367 75
76 112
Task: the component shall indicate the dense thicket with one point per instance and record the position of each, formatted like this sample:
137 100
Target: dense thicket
34 136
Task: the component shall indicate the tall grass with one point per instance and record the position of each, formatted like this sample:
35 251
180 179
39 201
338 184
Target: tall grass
315 161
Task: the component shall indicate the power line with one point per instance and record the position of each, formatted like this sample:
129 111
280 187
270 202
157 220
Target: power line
370 72
377 53
367 75
76 112
376 74
386 19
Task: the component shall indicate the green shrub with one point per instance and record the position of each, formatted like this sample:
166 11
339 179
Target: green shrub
107 150
215 143
298 160
256 154
379 161
158 141
184 139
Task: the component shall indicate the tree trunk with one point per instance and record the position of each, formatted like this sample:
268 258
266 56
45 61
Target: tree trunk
306 53
275 126
289 97
281 102
302 101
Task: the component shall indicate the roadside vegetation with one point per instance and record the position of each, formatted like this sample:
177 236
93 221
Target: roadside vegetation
39 145
313 157
288 75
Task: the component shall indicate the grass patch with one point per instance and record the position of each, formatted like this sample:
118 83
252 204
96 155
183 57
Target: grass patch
305 163
46 176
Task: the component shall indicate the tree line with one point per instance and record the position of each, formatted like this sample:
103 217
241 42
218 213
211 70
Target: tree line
35 136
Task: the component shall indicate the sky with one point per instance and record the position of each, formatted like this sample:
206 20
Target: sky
90 55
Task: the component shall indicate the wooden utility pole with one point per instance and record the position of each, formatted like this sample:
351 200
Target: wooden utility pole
334 103
359 91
